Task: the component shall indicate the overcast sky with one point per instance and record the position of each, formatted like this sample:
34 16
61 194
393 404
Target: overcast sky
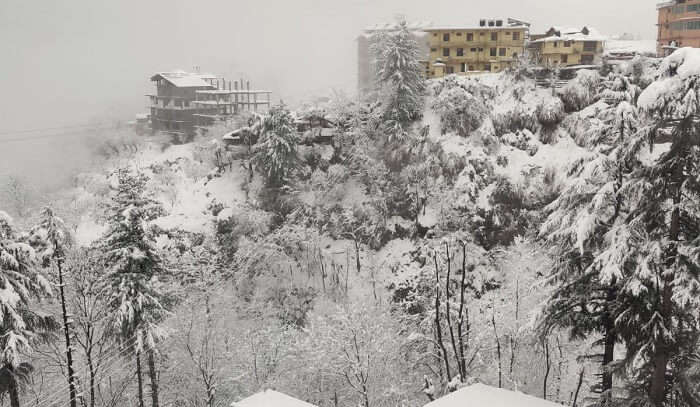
67 62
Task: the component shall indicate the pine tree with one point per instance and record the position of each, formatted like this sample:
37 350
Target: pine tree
275 154
129 246
399 77
659 239
51 238
587 297
20 282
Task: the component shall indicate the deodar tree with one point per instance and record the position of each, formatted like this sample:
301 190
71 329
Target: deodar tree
658 242
21 282
134 295
400 79
586 297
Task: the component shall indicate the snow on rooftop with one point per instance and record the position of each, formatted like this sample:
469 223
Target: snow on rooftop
641 47
182 79
412 26
507 22
483 395
271 398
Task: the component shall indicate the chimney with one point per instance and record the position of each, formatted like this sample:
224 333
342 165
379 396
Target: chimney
482 23
499 23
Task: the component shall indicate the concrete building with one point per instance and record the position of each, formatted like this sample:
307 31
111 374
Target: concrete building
491 46
366 69
678 26
561 47
184 101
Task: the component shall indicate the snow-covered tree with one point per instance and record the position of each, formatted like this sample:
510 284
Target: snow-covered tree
129 248
658 243
586 298
461 104
275 154
51 238
21 282
581 91
399 77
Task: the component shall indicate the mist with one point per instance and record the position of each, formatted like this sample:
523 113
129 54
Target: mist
69 63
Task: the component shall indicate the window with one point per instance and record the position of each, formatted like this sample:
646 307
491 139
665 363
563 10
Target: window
470 37
481 34
446 37
433 49
507 32
471 67
564 59
464 67
459 34
487 67
460 52
450 69
494 36
501 52
516 36
481 50
556 44
494 52
567 44
590 46
587 59
515 55
473 50
434 34
445 52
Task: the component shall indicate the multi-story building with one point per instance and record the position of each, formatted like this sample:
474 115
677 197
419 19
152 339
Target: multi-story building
560 47
678 26
185 101
366 67
491 46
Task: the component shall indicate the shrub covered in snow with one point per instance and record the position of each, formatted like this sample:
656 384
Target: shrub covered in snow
461 104
581 91
550 112
513 120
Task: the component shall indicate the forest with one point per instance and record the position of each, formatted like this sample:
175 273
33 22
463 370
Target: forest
479 229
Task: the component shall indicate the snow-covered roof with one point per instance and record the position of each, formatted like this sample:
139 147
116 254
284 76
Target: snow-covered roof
271 398
483 395
183 79
506 23
572 34
641 47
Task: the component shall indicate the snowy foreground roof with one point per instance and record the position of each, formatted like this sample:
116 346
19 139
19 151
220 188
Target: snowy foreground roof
479 395
271 398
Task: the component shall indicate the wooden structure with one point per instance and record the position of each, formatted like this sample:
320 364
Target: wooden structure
185 102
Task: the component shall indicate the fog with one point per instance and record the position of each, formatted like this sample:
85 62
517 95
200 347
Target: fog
77 61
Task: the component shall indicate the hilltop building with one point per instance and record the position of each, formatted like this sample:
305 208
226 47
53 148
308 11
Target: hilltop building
366 69
491 46
185 101
561 47
678 26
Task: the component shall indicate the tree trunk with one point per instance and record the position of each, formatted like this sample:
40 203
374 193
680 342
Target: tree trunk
91 369
153 376
13 389
609 347
66 330
139 376
438 327
657 390
548 367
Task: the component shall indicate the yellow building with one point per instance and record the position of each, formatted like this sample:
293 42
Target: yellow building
491 46
567 47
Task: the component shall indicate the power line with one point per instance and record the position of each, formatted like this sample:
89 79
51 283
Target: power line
38 130
46 136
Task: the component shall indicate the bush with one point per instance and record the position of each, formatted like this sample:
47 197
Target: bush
550 112
513 120
461 104
581 91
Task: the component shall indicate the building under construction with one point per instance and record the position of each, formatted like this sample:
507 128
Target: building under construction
184 102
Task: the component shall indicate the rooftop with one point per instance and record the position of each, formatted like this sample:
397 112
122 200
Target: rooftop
483 395
483 24
182 79
572 34
412 26
271 398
